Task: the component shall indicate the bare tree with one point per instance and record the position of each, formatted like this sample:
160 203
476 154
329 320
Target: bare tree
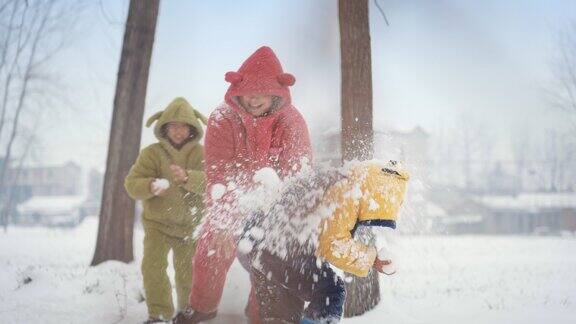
363 294
116 224
563 91
32 33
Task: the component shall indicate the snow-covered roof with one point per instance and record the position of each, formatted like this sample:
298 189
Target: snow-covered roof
463 219
51 204
530 201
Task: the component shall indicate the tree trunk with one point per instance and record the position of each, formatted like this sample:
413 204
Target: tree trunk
116 224
356 88
363 294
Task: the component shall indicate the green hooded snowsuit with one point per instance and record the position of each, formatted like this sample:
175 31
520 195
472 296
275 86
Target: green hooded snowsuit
169 219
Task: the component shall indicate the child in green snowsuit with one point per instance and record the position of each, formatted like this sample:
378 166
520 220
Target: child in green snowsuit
168 177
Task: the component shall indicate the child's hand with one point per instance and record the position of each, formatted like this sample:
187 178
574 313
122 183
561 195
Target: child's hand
158 187
180 174
384 266
383 262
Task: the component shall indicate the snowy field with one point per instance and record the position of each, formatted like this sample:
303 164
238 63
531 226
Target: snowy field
44 278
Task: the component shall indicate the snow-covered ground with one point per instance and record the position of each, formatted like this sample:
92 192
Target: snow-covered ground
45 278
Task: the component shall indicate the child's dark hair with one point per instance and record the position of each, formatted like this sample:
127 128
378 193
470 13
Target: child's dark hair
164 131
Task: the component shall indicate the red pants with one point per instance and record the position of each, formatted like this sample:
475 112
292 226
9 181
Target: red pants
215 253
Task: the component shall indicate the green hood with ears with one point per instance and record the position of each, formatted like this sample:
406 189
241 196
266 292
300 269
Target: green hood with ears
179 110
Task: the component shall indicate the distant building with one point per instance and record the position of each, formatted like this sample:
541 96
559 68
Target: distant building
51 211
525 213
45 195
462 213
530 213
61 180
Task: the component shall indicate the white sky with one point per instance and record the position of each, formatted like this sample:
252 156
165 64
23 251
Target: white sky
438 60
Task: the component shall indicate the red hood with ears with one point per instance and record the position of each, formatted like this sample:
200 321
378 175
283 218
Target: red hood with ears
261 74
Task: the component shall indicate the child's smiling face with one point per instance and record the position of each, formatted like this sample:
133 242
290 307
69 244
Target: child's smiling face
256 105
178 132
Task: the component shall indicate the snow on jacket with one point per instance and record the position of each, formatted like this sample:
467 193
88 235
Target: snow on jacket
371 195
180 209
317 213
238 144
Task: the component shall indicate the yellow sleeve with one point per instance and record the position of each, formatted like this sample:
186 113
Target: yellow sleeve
336 243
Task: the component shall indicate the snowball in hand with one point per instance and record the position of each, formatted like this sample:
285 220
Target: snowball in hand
385 244
389 268
160 185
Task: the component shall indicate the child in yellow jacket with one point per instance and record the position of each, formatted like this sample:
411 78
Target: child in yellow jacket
380 194
288 250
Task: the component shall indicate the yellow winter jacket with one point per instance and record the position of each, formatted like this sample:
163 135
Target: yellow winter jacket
372 192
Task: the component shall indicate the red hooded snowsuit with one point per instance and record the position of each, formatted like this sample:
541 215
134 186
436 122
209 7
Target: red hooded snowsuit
236 145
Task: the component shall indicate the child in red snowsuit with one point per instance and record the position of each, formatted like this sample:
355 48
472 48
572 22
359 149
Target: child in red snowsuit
256 127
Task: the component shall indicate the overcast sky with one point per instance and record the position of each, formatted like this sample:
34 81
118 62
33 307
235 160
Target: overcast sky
437 61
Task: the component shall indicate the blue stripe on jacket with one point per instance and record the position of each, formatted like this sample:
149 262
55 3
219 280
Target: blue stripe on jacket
374 222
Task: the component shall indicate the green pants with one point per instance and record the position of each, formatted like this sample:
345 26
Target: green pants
154 264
